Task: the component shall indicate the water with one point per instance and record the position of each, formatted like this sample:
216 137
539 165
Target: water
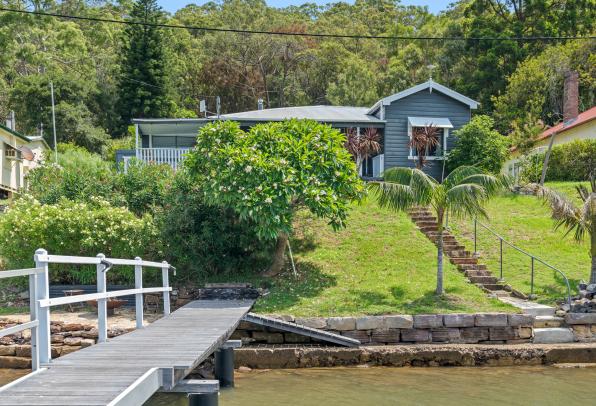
542 386
407 386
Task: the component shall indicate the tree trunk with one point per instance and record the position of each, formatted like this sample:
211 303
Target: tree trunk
439 290
279 256
593 254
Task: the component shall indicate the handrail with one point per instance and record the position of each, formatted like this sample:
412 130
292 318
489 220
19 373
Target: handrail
533 258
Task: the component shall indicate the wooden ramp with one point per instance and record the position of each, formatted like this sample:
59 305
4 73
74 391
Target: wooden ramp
128 369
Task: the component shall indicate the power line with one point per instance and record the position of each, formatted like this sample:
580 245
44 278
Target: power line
297 34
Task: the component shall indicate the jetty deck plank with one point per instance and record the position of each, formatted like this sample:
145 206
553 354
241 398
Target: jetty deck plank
99 374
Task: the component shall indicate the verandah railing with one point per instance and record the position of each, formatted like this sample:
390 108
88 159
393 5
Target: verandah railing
169 156
40 302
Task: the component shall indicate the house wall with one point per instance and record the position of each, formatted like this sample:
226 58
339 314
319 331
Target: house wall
421 104
14 171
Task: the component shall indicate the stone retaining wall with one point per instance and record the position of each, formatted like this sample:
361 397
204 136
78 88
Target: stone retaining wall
15 350
488 328
583 326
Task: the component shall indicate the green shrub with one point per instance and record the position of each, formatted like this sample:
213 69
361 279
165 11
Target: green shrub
568 162
75 228
79 176
202 240
143 186
479 144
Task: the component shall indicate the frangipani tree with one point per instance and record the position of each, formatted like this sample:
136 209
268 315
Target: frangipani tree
268 173
581 220
461 194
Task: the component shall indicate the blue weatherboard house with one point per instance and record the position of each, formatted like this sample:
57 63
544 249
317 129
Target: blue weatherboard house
394 117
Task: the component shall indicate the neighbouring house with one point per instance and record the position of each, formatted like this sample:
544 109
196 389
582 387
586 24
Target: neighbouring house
575 126
18 155
394 117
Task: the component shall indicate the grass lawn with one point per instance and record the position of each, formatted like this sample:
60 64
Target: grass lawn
525 221
13 310
379 264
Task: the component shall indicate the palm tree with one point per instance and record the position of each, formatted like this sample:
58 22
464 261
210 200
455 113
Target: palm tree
423 139
363 146
462 193
581 220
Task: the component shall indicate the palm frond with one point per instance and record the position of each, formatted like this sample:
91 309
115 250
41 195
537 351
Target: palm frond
403 188
466 199
492 184
459 174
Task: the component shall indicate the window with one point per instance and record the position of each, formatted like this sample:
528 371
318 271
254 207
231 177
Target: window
442 126
11 152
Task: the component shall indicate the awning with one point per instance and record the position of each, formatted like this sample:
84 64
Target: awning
439 122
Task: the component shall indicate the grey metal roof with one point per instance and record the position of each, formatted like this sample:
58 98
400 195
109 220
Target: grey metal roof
326 114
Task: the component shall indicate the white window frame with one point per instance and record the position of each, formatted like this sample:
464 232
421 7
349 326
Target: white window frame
413 157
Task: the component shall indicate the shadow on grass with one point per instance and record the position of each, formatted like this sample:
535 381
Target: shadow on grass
431 303
557 290
287 290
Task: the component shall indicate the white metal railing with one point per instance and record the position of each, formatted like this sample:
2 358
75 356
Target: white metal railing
40 302
169 156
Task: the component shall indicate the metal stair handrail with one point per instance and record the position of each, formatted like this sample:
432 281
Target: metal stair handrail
533 258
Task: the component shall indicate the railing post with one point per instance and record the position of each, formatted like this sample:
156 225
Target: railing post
475 236
42 292
102 304
139 296
501 258
33 317
532 280
166 284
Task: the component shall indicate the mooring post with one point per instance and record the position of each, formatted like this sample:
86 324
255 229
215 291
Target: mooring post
139 296
102 304
224 366
166 284
42 292
203 399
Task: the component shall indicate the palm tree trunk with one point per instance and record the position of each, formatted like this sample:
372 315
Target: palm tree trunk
439 290
279 256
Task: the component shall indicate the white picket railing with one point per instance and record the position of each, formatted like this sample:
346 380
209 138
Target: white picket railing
169 156
40 302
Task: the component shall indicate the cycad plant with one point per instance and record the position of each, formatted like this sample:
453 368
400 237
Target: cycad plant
461 194
581 220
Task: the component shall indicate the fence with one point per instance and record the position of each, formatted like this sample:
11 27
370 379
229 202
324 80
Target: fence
533 259
40 302
169 156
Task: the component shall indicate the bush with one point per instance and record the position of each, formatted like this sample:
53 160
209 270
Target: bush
568 162
203 240
75 228
79 176
479 144
143 186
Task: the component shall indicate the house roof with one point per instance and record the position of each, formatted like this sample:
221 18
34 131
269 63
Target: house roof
15 133
581 119
430 85
327 114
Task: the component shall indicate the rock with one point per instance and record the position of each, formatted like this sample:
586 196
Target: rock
582 331
399 321
369 323
502 333
428 320
283 317
361 335
553 335
312 322
451 335
73 341
7 350
381 336
244 369
520 320
87 342
341 323
458 320
525 332
292 338
15 363
269 338
93 333
415 335
580 318
67 349
23 351
491 320
560 313
474 334
73 327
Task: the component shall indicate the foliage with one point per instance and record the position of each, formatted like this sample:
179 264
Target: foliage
362 146
143 82
272 170
462 193
423 139
202 240
114 144
79 175
479 144
143 187
354 86
75 228
573 161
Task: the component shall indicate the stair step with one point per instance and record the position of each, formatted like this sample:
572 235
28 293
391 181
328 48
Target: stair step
548 321
476 272
499 293
459 253
483 280
463 260
494 286
472 267
553 335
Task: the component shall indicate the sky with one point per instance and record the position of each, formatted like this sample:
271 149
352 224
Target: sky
434 6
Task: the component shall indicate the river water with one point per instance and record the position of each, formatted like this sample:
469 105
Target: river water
401 386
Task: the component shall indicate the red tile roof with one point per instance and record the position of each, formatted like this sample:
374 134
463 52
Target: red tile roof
582 118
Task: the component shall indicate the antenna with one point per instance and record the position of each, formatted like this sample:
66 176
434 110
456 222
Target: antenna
218 105
54 121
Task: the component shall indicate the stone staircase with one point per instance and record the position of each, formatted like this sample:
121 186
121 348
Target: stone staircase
465 261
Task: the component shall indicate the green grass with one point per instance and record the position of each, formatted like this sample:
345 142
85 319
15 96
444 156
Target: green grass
525 221
379 264
13 310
